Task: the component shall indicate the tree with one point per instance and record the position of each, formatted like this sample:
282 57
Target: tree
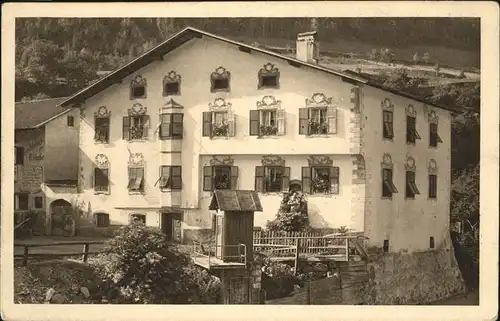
292 214
399 80
465 196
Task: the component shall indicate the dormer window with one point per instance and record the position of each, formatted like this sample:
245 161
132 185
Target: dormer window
172 84
220 80
138 87
269 76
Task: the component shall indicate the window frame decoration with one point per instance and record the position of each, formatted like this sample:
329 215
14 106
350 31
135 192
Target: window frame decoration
262 181
136 163
387 171
314 185
171 78
411 188
411 126
387 119
136 82
102 113
102 166
268 70
224 129
268 104
310 127
432 176
170 178
139 133
220 73
210 171
434 138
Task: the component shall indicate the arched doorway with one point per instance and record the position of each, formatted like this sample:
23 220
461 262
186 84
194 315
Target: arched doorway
62 220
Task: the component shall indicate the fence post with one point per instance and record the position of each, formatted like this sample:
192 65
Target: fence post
85 252
297 250
347 249
25 256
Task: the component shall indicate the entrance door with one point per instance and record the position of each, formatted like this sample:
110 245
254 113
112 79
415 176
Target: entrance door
171 226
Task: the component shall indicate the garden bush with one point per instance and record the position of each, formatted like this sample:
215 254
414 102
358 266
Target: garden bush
278 280
292 214
140 266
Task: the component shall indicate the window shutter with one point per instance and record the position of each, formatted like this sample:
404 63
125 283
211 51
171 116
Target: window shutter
303 121
285 185
164 176
280 118
207 124
207 178
306 179
177 125
126 128
231 122
145 129
176 177
335 179
254 123
259 179
234 177
331 114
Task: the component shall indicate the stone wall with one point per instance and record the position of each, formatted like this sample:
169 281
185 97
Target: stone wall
413 278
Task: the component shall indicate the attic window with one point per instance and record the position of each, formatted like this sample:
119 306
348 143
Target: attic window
70 120
138 87
171 84
220 80
269 76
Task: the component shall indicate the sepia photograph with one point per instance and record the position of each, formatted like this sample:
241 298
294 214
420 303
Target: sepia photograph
290 160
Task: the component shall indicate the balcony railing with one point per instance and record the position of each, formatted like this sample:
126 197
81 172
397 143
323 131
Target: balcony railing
214 255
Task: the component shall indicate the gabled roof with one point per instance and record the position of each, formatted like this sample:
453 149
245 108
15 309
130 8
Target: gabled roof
189 33
172 43
235 200
36 113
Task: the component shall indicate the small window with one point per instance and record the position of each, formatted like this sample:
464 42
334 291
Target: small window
70 120
101 180
171 177
138 217
269 76
102 130
388 187
432 186
269 81
434 138
219 80
274 178
171 88
21 201
19 155
38 202
411 186
386 246
101 219
171 125
318 124
411 130
136 179
388 129
221 84
138 87
431 242
220 177
138 91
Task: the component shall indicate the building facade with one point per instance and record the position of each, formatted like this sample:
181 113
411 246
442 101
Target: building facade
200 112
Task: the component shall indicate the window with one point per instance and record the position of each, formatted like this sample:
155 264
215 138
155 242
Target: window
431 242
432 186
171 125
138 217
317 121
70 120
388 187
170 177
220 177
102 130
386 246
101 180
269 81
411 186
135 127
38 202
388 129
101 219
267 122
19 155
171 88
411 130
321 179
220 79
434 138
21 201
138 91
269 76
135 179
138 87
270 179
221 84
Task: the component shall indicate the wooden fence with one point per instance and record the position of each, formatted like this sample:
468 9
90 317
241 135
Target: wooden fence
47 254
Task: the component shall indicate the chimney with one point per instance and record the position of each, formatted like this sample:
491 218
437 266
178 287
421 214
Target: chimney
307 50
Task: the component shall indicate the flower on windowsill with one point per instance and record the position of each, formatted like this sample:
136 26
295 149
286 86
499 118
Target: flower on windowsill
136 132
317 128
320 185
220 129
268 130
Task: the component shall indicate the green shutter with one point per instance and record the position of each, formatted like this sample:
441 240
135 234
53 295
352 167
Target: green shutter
207 124
254 123
259 179
207 178
306 179
126 128
303 121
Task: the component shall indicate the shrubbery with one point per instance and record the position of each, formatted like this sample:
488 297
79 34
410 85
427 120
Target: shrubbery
140 266
292 214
